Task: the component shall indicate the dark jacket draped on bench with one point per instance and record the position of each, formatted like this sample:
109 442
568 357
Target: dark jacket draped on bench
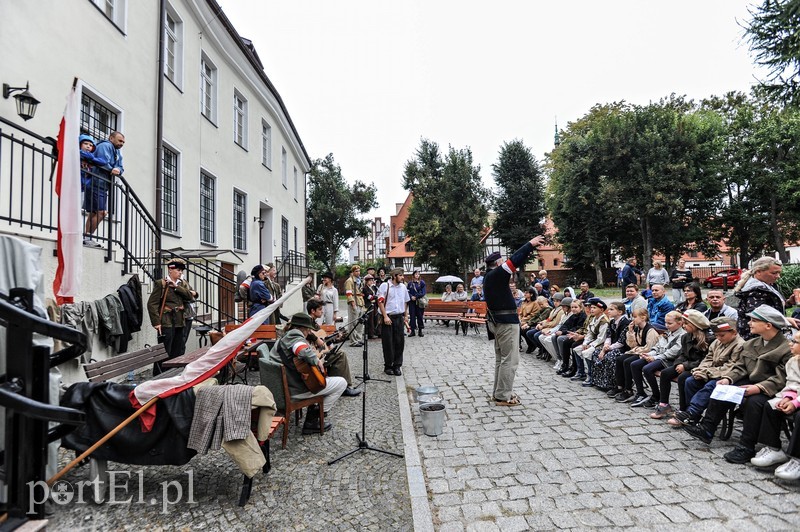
106 405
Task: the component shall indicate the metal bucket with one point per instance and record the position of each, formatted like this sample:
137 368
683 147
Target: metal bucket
427 389
432 418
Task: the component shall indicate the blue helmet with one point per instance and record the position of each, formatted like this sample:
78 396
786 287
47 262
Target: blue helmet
86 137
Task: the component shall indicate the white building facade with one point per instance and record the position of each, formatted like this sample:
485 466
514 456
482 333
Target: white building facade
234 166
231 165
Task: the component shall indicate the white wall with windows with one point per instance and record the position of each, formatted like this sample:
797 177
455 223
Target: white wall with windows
235 136
223 123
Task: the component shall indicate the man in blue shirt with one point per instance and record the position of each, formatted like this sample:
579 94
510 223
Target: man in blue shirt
658 307
95 200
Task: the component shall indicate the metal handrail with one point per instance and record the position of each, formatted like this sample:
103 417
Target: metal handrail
26 180
216 286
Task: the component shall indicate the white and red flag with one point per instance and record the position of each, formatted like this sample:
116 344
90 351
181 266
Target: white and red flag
67 282
214 360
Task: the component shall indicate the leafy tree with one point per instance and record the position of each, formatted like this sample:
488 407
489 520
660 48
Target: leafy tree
447 213
333 210
773 38
519 202
585 229
638 179
664 176
759 211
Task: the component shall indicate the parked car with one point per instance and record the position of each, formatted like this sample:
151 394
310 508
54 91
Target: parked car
717 280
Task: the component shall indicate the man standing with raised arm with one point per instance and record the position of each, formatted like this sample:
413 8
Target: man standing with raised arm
503 321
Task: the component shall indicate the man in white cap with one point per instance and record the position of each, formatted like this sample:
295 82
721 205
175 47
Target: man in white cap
393 301
761 371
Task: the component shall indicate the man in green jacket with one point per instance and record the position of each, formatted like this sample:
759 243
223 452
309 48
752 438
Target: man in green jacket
294 344
167 306
761 372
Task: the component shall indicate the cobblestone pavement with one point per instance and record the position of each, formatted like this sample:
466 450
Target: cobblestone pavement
567 459
366 491
570 458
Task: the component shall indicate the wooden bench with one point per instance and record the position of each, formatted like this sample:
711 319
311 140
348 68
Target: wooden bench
445 310
184 360
125 362
475 316
268 333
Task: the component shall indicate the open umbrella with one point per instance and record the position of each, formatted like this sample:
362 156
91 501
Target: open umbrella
449 279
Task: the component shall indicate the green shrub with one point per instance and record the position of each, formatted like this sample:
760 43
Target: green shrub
790 279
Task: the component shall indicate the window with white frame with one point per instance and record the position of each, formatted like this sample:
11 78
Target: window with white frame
239 220
294 168
208 89
169 191
114 10
284 169
173 65
266 144
98 118
207 209
239 119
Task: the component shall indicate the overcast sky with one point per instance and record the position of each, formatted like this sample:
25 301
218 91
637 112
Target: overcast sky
366 80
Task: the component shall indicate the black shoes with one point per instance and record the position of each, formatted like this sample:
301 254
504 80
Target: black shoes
397 372
697 431
311 424
389 371
421 334
412 334
351 392
739 455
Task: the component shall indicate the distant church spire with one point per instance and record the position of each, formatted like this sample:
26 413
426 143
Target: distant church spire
556 140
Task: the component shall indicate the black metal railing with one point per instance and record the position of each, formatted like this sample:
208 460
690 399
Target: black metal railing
30 204
27 170
292 267
216 287
137 233
25 395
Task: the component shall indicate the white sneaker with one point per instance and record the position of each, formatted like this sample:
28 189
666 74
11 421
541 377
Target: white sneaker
768 456
790 470
557 366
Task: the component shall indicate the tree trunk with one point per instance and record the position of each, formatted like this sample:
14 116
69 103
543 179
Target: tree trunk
647 244
777 235
598 267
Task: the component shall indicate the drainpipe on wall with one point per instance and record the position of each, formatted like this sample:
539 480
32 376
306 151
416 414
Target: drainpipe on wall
162 20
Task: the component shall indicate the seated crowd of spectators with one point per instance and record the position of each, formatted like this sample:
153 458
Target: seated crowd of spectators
635 350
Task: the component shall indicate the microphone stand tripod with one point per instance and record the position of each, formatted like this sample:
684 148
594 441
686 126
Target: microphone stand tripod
363 444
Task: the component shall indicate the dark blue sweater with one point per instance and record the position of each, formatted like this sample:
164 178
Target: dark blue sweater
495 286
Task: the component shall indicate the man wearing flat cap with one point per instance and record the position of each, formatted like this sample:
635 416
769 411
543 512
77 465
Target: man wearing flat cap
167 306
503 320
596 330
761 372
723 353
393 301
295 344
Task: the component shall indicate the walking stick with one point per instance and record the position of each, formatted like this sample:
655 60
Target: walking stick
52 480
